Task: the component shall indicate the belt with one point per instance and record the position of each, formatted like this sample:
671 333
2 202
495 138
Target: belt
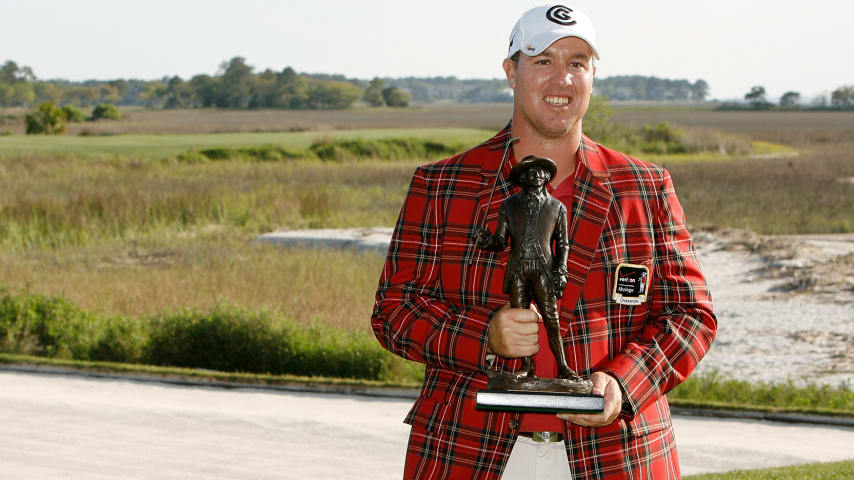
543 436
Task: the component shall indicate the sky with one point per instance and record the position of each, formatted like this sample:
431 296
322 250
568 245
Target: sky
733 45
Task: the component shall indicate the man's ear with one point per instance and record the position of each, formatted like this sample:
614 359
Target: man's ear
510 70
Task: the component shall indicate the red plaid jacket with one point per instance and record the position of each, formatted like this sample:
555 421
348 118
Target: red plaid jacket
437 292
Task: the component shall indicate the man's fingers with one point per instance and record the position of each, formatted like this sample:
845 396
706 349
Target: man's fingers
603 384
527 329
527 339
520 349
516 329
515 332
529 351
596 420
523 315
599 383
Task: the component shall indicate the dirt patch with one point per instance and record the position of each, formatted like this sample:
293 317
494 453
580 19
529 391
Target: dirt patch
838 346
809 264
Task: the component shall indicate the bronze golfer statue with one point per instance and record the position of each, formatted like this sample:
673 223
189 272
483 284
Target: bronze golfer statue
534 221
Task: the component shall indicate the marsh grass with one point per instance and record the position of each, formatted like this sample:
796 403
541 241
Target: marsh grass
665 139
793 128
57 200
143 278
52 201
777 195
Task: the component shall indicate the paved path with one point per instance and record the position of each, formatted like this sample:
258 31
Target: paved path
74 427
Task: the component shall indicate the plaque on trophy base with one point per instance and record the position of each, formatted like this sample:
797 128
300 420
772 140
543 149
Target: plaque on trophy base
523 393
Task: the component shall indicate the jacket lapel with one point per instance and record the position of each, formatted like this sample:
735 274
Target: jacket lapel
494 183
590 206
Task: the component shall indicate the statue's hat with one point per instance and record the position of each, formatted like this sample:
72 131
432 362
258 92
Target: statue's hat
530 161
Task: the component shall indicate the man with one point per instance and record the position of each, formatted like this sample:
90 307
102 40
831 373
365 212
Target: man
440 299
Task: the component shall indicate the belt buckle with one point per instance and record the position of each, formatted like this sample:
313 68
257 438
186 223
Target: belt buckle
546 437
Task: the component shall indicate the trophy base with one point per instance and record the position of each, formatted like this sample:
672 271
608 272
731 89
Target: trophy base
521 393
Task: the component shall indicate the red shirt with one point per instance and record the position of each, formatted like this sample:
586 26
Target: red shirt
545 364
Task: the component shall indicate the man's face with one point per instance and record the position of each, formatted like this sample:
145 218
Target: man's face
552 90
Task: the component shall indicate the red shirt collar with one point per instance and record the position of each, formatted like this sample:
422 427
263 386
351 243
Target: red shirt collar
588 154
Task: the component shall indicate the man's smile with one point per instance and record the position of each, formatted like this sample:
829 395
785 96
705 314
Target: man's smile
556 101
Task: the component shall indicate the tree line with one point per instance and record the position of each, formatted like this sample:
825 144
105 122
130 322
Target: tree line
841 98
235 85
638 87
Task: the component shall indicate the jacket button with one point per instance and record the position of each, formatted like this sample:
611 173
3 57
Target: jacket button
513 424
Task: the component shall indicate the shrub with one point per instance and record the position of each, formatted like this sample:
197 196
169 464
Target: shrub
192 156
374 93
332 95
119 340
597 119
43 325
47 119
385 148
395 97
329 149
262 153
106 111
231 339
73 114
226 339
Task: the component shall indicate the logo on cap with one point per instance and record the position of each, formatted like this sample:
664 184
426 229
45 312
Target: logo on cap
560 15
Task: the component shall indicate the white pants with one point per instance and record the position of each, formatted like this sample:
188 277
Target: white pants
532 460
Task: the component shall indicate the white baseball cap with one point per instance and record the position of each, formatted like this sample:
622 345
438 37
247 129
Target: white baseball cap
541 26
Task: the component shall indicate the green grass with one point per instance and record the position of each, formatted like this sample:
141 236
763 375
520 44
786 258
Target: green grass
813 471
768 148
226 338
720 392
166 145
197 373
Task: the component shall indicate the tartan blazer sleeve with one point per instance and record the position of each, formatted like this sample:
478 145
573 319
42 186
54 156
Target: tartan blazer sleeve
681 324
410 317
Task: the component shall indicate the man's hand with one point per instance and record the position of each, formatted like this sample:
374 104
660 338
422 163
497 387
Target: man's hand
513 332
603 384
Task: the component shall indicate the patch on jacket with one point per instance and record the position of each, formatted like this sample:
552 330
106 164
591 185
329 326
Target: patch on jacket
631 284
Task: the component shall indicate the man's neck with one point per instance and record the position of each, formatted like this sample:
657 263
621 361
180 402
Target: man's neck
560 149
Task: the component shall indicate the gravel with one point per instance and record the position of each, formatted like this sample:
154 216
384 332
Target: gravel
769 331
